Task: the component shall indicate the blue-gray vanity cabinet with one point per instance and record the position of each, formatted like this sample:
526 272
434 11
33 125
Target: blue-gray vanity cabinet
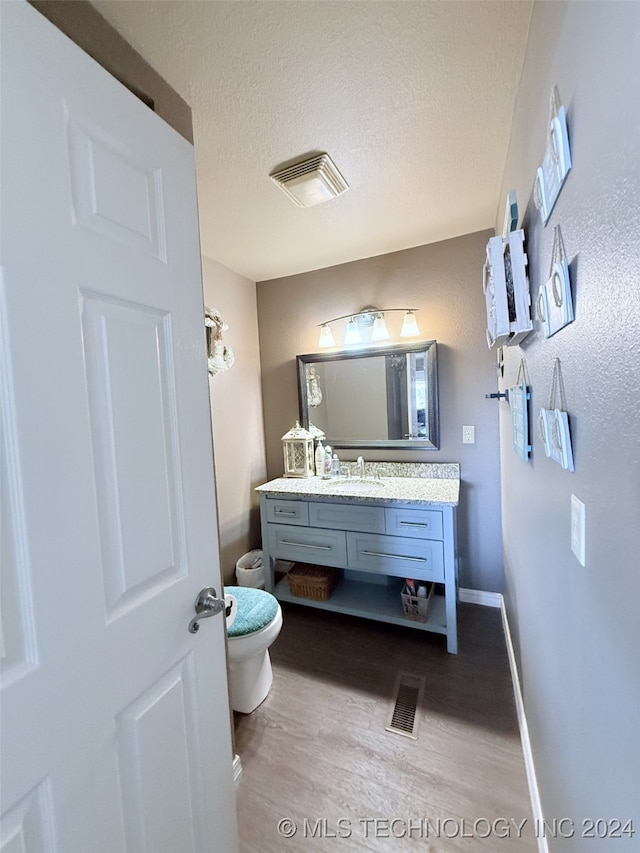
420 559
307 544
376 544
287 512
407 521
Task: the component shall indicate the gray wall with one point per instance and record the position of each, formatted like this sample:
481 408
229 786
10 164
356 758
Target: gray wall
577 629
444 281
236 416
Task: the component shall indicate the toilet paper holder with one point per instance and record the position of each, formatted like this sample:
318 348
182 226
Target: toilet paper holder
498 396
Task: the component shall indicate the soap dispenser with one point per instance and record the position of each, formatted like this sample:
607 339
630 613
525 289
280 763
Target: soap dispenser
327 461
319 459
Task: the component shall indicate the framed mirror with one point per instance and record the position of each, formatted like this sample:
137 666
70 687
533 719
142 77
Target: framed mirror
374 397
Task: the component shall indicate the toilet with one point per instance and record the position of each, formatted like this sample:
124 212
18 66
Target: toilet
254 621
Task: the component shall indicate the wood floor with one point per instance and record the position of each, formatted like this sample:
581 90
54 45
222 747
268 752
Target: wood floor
316 752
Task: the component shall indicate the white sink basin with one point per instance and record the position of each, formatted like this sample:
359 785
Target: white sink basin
353 484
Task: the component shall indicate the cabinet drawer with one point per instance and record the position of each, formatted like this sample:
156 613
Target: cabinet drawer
421 559
421 523
307 544
347 517
287 512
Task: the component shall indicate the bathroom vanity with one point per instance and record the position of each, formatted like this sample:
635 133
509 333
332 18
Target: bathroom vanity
377 532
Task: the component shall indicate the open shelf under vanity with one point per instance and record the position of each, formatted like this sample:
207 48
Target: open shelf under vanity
370 601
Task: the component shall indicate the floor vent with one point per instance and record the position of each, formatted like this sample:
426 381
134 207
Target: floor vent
408 693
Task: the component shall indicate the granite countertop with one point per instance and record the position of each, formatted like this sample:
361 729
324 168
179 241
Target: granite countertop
420 490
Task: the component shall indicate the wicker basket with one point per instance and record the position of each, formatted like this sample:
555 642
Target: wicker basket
417 608
316 582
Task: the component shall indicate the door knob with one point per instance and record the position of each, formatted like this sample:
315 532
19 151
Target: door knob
207 604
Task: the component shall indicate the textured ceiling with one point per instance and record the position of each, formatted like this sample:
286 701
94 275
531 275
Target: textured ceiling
412 100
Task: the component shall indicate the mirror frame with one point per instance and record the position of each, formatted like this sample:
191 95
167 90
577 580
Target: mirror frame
432 419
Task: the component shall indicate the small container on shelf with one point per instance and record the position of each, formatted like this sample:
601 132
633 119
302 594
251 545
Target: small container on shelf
335 466
328 458
315 582
416 599
319 459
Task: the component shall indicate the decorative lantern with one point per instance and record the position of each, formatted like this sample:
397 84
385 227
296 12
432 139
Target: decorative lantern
316 432
297 445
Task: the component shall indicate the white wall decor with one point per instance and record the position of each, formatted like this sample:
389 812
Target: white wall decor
220 356
506 289
519 395
554 424
557 160
314 391
555 303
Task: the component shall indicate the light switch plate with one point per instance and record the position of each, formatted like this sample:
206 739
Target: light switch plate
578 529
468 435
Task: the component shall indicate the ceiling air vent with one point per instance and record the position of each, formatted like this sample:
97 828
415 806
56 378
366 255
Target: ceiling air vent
311 181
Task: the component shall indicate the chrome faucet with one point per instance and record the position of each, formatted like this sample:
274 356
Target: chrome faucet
360 466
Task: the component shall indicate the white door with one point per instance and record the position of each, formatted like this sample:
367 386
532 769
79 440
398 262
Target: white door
116 732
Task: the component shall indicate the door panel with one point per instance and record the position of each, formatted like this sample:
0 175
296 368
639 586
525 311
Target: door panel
165 816
27 827
114 191
135 448
17 630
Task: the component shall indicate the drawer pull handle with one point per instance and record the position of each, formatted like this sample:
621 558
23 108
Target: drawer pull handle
305 545
285 512
396 556
414 524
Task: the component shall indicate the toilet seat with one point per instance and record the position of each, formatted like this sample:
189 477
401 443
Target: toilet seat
256 609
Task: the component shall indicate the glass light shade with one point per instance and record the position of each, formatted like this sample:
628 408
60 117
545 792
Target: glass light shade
379 331
352 334
409 326
326 337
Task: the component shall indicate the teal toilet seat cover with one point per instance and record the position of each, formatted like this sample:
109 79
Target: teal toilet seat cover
256 609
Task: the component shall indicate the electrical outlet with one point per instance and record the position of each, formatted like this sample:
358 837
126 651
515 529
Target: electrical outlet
468 435
578 529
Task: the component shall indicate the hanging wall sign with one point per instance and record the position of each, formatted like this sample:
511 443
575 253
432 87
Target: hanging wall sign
554 425
555 303
556 437
557 160
519 395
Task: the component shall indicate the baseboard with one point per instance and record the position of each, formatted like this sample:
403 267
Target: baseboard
237 770
536 805
477 596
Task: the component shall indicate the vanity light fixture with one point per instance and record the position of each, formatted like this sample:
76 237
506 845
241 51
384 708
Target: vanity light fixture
380 331
326 336
369 318
409 325
352 334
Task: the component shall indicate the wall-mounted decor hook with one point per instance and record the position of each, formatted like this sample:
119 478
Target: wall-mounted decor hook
498 396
